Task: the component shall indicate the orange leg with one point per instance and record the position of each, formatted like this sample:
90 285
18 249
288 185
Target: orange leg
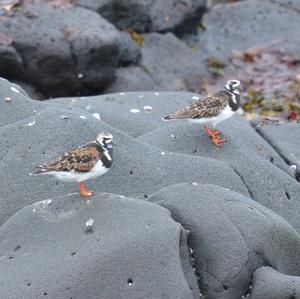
213 135
83 191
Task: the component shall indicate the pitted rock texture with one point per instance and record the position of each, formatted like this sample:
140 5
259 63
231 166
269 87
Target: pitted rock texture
231 235
109 247
149 15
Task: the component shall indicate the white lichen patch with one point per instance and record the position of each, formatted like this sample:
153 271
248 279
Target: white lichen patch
134 110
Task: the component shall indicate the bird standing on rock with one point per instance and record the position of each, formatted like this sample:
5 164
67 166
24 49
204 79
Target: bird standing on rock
216 107
86 162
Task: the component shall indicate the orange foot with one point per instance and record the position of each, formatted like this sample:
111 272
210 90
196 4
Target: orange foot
213 135
83 191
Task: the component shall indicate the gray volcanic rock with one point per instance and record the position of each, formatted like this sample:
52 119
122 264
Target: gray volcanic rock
285 139
268 283
109 247
79 53
130 52
149 15
264 173
245 24
231 235
138 170
135 113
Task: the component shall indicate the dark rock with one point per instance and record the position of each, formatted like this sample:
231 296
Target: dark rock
149 15
78 54
170 62
231 235
245 24
130 52
268 283
249 155
132 78
283 138
134 250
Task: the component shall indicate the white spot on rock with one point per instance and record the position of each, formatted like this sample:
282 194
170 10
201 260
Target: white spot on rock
294 167
15 90
90 222
48 202
134 110
82 117
88 107
97 115
80 75
65 117
141 96
157 93
195 98
163 153
30 124
173 136
122 93
195 184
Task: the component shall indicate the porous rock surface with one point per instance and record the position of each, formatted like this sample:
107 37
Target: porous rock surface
239 203
231 236
110 247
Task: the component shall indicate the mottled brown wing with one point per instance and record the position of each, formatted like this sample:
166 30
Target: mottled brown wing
79 160
204 108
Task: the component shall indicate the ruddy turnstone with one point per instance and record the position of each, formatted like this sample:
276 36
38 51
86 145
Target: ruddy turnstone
216 107
86 162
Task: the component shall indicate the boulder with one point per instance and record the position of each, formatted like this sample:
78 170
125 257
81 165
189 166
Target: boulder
230 237
110 247
149 15
74 56
246 24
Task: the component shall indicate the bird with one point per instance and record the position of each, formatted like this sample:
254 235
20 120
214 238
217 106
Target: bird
216 107
88 161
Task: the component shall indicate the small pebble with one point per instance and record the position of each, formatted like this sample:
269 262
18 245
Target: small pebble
97 115
294 167
148 109
65 117
7 99
80 75
173 136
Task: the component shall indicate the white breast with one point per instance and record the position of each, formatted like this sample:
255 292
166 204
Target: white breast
225 114
72 176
